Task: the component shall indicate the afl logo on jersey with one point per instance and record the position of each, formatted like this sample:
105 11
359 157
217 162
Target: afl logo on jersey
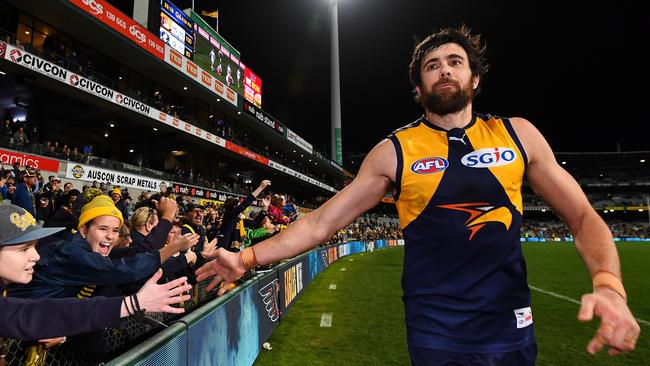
429 165
490 157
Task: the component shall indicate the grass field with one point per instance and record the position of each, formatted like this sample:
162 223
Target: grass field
368 319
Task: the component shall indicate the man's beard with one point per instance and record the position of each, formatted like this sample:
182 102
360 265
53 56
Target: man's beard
447 101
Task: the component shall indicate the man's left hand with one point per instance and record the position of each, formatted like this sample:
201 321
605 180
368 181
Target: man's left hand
618 329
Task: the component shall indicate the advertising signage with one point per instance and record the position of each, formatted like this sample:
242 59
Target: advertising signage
215 55
201 76
263 117
198 192
129 28
55 72
302 143
176 29
91 173
252 87
38 162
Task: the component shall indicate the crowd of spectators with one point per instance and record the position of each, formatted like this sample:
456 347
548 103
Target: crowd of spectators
367 228
169 230
558 231
599 199
65 55
110 245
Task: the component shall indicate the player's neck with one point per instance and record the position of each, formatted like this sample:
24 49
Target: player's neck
459 119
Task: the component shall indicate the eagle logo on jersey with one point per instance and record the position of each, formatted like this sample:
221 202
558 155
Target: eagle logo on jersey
480 213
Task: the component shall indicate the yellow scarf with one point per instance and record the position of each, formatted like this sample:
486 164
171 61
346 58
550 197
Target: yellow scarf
242 231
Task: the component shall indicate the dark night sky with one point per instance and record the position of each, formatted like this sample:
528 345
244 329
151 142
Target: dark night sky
570 70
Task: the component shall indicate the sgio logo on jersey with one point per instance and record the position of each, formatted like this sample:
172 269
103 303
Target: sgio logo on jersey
490 157
429 165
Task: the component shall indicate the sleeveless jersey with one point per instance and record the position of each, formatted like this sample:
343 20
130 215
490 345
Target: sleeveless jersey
459 202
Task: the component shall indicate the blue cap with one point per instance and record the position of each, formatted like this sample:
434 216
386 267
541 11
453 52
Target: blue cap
18 226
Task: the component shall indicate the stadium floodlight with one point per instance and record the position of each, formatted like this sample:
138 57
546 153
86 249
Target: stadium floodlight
335 100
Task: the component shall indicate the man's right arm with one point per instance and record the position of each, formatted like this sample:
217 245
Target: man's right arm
375 178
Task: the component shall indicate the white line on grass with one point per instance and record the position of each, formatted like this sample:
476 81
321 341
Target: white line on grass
550 293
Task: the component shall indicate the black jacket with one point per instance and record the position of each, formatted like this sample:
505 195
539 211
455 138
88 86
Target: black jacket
229 223
66 267
189 227
173 267
48 318
145 244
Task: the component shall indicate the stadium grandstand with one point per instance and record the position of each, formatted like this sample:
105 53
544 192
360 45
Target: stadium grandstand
167 123
183 121
617 185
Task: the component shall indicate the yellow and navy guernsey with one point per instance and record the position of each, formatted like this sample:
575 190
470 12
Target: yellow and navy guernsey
459 202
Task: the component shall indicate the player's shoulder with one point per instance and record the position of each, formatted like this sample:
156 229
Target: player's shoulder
407 127
522 126
491 119
530 138
519 124
381 160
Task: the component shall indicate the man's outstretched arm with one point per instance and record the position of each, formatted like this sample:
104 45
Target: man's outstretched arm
375 178
593 240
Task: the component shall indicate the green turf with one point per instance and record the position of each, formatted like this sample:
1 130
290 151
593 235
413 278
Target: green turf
561 339
368 321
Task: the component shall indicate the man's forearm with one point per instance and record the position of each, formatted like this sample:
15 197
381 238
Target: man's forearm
596 246
299 237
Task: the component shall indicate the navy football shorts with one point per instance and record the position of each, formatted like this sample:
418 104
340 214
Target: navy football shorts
432 357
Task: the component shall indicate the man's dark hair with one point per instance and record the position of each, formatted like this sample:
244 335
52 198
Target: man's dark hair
461 36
